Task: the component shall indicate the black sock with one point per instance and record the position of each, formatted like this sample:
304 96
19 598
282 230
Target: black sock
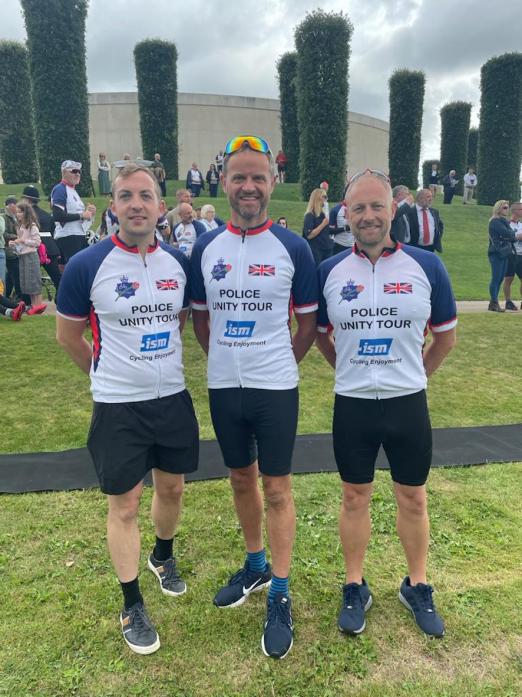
131 593
163 549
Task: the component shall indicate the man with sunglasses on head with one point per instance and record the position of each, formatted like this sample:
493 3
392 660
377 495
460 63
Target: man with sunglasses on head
376 302
72 219
245 276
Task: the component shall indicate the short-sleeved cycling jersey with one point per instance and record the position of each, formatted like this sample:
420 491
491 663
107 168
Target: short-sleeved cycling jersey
379 315
132 306
247 281
66 198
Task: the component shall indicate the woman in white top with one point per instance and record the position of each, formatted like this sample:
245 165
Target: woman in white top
208 214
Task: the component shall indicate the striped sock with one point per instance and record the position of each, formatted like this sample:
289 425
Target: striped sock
256 560
278 585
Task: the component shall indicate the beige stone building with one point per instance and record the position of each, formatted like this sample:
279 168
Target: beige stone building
207 121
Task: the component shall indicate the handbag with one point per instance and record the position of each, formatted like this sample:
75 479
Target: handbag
42 254
503 248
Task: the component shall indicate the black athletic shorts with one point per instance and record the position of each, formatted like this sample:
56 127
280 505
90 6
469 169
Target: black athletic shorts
70 245
400 424
245 417
514 266
126 440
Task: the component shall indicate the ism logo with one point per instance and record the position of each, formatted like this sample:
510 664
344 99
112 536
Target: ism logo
154 342
374 347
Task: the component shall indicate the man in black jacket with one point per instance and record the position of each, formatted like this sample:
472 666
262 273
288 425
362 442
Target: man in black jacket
46 227
449 184
426 226
400 228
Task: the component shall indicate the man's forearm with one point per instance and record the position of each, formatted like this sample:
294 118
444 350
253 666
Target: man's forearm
437 351
80 352
326 346
301 342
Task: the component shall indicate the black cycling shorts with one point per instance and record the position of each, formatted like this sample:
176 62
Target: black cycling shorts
70 245
514 266
126 440
400 424
253 424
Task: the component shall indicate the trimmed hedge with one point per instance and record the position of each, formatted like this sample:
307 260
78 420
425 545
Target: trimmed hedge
426 171
56 45
500 140
473 147
454 119
406 106
287 74
17 144
323 48
155 62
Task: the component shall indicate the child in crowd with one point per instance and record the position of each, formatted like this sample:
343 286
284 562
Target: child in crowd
10 309
26 245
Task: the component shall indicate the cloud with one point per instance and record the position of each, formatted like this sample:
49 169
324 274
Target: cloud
233 47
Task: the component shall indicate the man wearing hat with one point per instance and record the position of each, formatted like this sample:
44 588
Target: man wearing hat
72 219
46 226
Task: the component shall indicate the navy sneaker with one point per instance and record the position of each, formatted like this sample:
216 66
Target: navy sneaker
418 599
138 631
278 635
167 575
241 584
357 599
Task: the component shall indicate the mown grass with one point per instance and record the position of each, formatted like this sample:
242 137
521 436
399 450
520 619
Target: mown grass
465 239
47 404
61 600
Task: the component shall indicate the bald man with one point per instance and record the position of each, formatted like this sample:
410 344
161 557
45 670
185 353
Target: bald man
375 302
188 230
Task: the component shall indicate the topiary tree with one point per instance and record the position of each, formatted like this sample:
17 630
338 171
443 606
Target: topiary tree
323 48
17 145
454 119
155 62
287 73
426 171
406 106
500 139
56 45
473 148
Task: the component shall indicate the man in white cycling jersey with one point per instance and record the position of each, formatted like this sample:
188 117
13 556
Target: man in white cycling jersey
132 291
376 302
245 278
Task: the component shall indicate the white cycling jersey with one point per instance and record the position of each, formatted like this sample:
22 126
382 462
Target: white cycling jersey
248 282
379 315
66 197
133 309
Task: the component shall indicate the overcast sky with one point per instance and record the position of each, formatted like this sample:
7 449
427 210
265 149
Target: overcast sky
231 46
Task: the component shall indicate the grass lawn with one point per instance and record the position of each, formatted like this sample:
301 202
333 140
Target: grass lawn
465 238
477 384
61 600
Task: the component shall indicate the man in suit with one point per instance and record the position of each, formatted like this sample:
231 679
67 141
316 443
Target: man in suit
400 227
426 226
449 184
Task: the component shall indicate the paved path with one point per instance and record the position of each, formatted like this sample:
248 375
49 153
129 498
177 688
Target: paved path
463 306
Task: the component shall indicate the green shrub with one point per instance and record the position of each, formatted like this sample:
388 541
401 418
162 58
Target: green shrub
155 62
56 45
473 147
323 47
426 171
454 119
287 73
17 145
406 105
500 140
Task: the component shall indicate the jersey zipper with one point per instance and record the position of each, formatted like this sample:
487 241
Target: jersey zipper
156 325
239 292
374 324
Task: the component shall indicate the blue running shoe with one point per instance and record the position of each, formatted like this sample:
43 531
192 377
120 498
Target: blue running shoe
138 631
278 636
241 584
167 574
418 599
357 599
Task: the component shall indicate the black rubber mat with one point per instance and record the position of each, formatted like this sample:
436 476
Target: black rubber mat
72 469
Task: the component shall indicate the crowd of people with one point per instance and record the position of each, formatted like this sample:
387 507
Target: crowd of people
240 280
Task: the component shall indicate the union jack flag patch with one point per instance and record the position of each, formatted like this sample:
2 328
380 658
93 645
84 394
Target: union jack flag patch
261 270
167 284
398 288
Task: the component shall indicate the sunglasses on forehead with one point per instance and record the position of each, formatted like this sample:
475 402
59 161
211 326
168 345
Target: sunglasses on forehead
253 142
373 172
